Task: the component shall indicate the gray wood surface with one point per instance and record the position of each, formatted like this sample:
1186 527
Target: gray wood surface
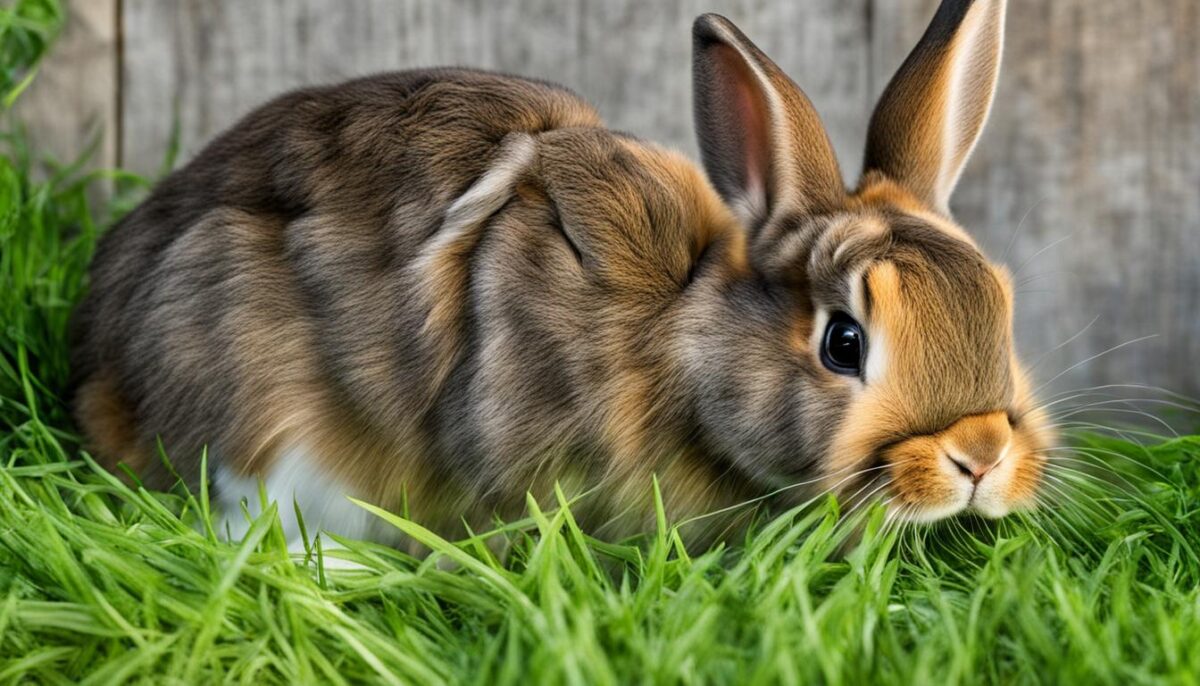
214 61
1087 180
73 101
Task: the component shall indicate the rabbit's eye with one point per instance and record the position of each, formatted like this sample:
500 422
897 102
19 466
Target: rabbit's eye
842 347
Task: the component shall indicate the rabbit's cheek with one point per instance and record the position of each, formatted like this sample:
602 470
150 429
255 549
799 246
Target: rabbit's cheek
1021 489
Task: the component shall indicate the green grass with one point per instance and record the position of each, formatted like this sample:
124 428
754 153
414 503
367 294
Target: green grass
101 583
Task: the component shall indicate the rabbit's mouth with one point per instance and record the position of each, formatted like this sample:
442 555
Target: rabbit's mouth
980 464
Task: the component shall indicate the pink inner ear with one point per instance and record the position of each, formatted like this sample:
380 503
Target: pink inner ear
750 116
749 112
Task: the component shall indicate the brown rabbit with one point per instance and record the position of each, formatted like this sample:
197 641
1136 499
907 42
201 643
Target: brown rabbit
439 290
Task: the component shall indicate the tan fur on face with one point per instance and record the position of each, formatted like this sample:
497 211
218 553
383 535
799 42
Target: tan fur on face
879 192
1006 464
978 442
949 387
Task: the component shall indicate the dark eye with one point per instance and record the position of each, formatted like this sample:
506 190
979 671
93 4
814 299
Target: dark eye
843 345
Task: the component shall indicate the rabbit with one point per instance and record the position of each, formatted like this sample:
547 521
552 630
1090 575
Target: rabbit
442 290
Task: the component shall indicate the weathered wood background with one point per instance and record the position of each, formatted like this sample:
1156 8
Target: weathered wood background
1087 181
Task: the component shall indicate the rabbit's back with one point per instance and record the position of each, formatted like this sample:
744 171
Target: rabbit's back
441 283
286 218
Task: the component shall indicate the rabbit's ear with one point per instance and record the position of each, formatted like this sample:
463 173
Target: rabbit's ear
931 114
763 145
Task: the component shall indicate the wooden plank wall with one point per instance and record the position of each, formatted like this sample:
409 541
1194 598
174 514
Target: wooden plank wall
73 102
1087 181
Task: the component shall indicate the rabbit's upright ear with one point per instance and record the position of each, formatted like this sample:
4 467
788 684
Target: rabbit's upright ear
763 145
934 108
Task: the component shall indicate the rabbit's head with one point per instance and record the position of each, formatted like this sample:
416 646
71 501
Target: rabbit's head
876 346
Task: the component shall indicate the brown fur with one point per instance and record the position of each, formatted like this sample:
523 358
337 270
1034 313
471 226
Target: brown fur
454 287
106 419
313 305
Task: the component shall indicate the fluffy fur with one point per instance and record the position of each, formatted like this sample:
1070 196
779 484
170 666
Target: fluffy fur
441 289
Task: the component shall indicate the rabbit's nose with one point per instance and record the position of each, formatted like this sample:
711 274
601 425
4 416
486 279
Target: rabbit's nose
972 469
977 443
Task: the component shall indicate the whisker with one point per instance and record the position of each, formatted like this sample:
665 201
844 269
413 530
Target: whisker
1042 358
1173 404
1042 275
1039 253
1115 473
1068 495
867 498
1082 426
1063 523
1063 464
1144 387
1131 401
1066 479
1093 357
798 484
1117 410
1020 225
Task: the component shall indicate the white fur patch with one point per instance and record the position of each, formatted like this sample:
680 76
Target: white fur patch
817 335
877 355
876 363
294 479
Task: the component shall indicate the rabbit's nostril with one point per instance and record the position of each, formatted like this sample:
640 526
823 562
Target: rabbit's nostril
965 469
